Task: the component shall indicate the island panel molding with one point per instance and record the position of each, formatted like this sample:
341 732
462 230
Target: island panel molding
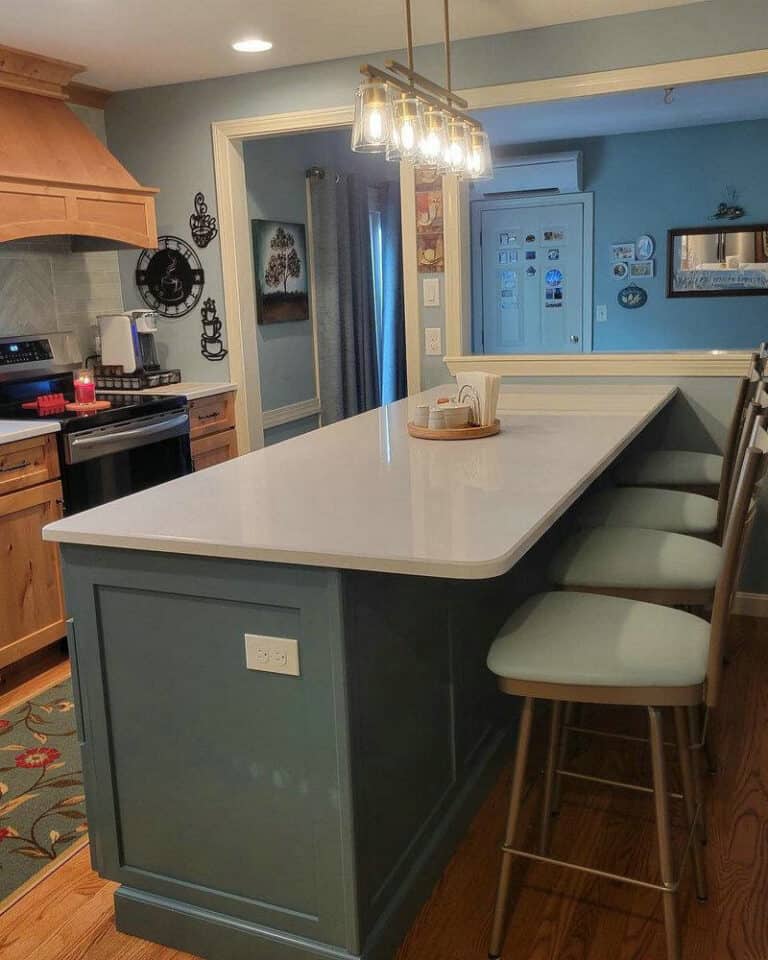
694 363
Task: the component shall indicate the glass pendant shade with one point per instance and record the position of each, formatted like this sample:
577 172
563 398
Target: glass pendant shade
372 126
458 147
434 142
479 162
407 126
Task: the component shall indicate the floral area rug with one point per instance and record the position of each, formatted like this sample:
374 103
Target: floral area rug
42 807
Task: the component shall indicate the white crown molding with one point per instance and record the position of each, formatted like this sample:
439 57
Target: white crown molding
291 412
656 75
731 363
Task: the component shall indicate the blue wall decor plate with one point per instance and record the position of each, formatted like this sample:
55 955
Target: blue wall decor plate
632 297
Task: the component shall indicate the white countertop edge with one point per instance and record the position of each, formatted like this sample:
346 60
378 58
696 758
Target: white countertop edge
466 570
14 430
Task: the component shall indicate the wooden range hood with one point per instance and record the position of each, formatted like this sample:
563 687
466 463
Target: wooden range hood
56 176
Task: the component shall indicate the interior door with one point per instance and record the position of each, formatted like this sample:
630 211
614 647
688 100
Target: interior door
529 291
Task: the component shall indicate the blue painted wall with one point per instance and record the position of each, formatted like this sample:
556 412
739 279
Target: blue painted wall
649 183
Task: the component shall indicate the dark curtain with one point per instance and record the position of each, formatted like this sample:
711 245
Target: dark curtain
393 371
343 295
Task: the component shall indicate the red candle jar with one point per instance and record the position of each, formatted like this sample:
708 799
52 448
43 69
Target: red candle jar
85 388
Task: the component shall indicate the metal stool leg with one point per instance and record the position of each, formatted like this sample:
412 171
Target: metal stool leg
565 735
691 802
694 737
518 782
710 751
555 723
663 830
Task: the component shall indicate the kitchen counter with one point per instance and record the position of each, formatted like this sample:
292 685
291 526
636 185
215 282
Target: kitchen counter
11 430
189 389
362 494
304 632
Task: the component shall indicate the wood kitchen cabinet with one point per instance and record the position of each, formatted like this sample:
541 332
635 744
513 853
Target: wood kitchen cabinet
212 430
31 597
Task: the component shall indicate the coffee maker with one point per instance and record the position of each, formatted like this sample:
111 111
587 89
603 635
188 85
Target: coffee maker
128 341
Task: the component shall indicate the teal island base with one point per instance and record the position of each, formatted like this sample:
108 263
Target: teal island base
255 815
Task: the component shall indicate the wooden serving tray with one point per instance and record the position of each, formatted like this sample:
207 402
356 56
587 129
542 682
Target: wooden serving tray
454 433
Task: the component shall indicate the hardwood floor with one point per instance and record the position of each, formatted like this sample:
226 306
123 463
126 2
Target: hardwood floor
558 915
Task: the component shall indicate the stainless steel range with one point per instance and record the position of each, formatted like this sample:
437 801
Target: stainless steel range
135 443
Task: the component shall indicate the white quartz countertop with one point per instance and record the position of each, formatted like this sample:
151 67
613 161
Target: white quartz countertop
11 430
362 494
188 389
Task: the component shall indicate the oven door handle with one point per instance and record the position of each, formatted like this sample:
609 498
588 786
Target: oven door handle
86 448
148 431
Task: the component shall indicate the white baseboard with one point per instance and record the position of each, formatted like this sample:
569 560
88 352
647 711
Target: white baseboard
751 604
291 412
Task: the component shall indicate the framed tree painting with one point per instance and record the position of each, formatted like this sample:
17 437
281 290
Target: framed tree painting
280 262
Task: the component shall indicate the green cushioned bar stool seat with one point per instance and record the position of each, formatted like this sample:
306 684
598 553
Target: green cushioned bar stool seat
672 468
630 560
674 510
591 639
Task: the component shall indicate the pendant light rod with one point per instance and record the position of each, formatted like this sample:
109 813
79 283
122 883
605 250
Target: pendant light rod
447 21
409 33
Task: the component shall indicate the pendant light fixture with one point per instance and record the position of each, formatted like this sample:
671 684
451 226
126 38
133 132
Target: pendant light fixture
406 116
372 126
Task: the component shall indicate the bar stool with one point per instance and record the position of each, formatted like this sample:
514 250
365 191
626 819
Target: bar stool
693 469
587 648
677 511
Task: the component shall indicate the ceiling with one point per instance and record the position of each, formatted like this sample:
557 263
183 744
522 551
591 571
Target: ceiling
142 43
745 98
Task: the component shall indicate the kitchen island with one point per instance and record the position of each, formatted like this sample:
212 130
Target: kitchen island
268 805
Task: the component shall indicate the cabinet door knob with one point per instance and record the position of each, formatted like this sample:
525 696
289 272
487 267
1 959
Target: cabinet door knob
574 338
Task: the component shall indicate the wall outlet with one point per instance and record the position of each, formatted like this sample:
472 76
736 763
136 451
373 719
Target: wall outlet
433 341
272 654
601 313
431 291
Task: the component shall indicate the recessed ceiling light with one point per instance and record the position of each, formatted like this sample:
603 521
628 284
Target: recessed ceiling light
252 46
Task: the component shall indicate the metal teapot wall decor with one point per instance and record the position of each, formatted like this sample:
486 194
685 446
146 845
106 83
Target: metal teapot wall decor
729 209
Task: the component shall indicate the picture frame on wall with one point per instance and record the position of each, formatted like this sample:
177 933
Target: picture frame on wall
642 269
619 271
721 261
622 251
280 264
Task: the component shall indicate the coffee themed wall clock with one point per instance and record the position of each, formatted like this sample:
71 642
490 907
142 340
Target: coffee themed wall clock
170 279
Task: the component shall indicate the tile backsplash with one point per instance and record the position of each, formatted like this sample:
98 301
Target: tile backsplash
46 287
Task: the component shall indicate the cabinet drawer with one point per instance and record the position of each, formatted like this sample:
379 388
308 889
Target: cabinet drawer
211 414
25 463
217 448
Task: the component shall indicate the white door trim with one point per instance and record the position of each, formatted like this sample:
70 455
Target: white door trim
587 202
237 266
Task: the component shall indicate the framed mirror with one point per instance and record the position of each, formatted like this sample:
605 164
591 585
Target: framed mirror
721 261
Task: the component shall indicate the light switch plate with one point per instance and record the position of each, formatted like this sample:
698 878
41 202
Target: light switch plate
431 291
601 313
433 341
272 654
